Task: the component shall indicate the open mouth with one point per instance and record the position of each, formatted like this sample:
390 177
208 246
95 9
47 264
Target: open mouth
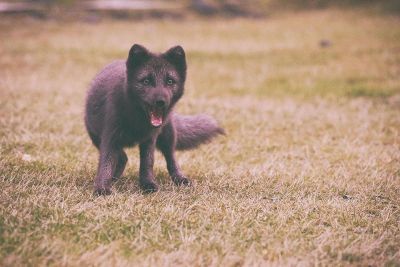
156 116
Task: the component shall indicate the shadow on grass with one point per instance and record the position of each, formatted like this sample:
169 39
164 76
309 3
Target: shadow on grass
129 184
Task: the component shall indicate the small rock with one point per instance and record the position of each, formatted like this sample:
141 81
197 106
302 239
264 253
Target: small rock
27 157
324 43
347 197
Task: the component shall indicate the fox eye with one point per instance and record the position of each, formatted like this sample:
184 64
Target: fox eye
170 81
146 81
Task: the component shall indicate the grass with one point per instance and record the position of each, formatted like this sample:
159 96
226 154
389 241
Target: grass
308 174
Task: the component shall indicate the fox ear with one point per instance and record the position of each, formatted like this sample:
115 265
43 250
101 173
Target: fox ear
176 56
137 55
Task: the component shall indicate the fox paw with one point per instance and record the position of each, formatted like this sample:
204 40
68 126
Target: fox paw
149 186
182 181
101 191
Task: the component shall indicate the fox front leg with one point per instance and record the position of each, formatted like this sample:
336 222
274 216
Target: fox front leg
108 163
166 143
146 175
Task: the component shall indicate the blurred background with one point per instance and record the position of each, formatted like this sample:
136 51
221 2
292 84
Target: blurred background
96 9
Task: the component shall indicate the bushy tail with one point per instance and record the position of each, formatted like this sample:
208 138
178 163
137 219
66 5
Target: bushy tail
195 130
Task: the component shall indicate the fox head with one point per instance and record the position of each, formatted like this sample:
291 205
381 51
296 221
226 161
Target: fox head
156 81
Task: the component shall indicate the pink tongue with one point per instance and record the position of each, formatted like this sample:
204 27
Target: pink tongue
156 119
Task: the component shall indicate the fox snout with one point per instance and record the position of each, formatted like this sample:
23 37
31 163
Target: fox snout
157 108
160 103
160 100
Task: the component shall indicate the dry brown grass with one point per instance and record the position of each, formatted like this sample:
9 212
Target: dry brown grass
308 174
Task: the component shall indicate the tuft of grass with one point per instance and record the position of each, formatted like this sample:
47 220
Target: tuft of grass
308 174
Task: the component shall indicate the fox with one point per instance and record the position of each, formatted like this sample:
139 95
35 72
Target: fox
130 102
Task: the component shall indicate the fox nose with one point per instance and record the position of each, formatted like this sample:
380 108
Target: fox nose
160 103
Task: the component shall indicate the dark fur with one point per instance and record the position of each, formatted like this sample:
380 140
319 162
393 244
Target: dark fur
118 115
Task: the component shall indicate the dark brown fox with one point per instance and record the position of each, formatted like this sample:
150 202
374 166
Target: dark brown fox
130 102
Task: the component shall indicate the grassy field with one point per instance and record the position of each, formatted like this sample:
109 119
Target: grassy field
308 174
